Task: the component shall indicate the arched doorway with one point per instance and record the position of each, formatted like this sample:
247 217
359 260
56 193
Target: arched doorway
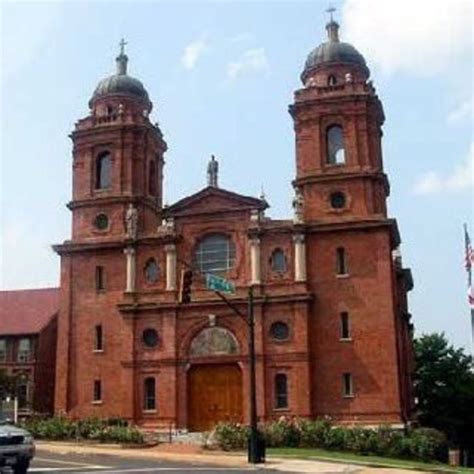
214 389
214 395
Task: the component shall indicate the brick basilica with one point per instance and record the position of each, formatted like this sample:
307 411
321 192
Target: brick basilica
333 332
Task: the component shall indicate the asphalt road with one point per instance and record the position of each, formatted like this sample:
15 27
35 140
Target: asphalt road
46 462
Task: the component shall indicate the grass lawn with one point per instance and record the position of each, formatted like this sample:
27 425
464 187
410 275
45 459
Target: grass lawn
377 461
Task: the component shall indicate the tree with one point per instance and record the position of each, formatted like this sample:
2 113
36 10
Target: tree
8 384
444 386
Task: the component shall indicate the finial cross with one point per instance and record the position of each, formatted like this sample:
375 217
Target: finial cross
122 45
331 10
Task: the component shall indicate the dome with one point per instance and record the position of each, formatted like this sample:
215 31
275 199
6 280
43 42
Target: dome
333 51
120 83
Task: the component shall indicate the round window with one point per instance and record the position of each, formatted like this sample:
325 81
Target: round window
101 221
150 338
338 200
279 331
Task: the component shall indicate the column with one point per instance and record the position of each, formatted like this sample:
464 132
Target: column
255 274
300 257
170 250
131 264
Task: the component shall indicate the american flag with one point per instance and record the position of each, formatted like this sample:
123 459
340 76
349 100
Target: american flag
469 261
469 252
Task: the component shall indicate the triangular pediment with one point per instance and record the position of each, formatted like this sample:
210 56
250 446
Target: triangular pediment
214 200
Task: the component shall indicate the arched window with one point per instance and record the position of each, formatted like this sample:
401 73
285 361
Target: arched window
341 263
151 271
332 81
215 253
152 178
98 338
24 350
278 261
345 327
149 399
335 145
281 391
103 171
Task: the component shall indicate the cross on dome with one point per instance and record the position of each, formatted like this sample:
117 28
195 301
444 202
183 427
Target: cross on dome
122 59
122 45
331 10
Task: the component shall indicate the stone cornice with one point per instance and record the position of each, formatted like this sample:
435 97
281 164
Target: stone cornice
94 201
70 247
182 361
130 309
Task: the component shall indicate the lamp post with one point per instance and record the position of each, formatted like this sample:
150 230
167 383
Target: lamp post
253 453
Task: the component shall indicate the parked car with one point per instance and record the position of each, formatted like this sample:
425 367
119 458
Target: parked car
17 447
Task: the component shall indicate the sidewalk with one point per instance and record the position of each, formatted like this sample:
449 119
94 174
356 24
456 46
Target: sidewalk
195 454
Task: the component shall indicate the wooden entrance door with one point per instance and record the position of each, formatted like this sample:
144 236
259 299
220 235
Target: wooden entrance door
214 394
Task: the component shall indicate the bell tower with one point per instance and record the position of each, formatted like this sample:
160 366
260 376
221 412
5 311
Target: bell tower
337 119
117 160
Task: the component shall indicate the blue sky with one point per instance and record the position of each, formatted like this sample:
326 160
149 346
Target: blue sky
221 76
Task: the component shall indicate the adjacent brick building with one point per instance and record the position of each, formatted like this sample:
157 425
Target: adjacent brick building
333 333
28 334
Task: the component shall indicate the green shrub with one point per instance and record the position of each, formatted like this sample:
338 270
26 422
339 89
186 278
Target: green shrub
231 436
428 444
313 433
113 430
423 444
362 440
282 433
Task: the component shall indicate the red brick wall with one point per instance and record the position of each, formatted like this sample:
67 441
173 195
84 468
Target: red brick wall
313 357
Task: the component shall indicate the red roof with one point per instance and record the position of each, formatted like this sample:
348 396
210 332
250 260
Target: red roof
27 311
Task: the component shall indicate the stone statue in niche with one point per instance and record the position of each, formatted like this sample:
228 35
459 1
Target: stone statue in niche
214 341
131 222
298 203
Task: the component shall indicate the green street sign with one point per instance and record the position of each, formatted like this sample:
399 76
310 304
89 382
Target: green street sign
217 283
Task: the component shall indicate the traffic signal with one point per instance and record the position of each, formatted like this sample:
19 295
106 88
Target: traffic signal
185 287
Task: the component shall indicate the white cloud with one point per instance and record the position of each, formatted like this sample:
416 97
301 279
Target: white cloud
193 51
462 111
461 178
253 60
422 36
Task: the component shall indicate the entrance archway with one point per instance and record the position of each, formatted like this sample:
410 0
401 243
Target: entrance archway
214 395
214 387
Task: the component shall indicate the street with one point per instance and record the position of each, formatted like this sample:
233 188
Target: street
46 462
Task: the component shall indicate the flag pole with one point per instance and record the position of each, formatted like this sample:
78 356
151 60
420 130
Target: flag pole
468 256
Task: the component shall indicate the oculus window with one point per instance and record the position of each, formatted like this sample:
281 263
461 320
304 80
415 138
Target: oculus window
101 222
279 331
338 200
214 254
150 338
